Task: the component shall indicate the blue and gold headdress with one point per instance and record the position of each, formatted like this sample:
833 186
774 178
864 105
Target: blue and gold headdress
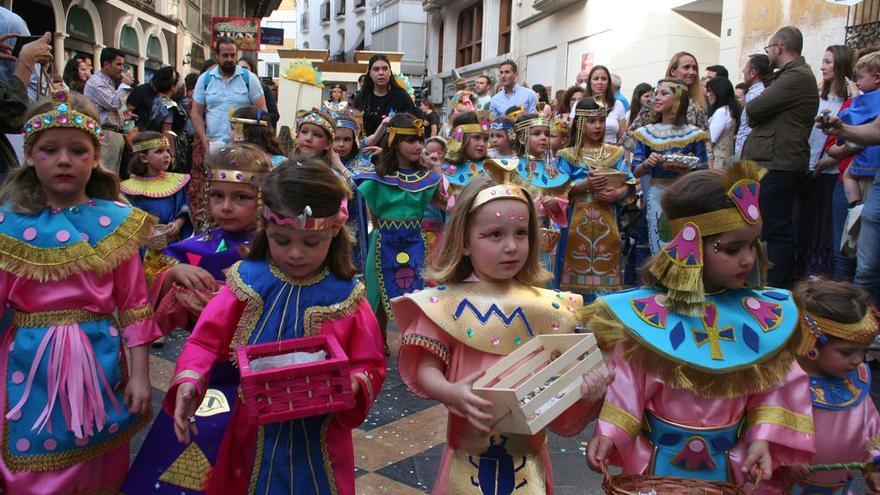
62 115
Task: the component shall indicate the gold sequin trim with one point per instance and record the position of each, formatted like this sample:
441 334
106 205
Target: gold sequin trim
52 462
42 319
42 264
252 311
873 443
325 452
314 279
135 315
429 344
178 378
621 418
156 263
314 316
258 457
780 416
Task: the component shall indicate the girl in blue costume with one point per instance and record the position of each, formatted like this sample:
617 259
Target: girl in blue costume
502 138
346 145
250 125
589 256
397 194
71 275
666 149
539 174
297 282
465 150
185 276
155 190
706 383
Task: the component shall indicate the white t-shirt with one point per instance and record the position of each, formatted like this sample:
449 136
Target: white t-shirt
817 137
718 123
612 122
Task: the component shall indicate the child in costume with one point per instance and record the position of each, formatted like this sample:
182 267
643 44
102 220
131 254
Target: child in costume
434 220
666 149
155 190
297 282
465 151
315 134
71 275
706 381
560 129
589 256
397 193
251 125
488 263
185 276
839 328
346 145
502 138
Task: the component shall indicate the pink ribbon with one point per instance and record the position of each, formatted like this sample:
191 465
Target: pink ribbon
557 214
74 380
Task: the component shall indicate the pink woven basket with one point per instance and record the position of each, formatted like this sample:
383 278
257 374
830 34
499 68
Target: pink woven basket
295 391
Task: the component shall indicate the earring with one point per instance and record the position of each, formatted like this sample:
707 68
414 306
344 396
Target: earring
812 354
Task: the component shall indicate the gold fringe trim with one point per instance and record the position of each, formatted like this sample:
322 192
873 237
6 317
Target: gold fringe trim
325 453
43 319
26 261
621 418
135 315
163 186
315 316
754 378
252 311
258 458
872 443
780 416
640 136
685 283
62 460
605 160
156 263
429 344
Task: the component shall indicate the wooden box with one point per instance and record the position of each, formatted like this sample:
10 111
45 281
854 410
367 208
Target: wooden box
516 377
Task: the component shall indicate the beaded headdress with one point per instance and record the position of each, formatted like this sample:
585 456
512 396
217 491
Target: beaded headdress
679 264
580 120
62 115
678 88
500 191
315 118
305 220
862 332
150 144
418 129
237 176
524 128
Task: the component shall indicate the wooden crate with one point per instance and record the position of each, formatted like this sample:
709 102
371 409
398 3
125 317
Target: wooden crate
566 356
295 391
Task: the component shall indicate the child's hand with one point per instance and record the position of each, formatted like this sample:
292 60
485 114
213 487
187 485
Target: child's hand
597 452
823 164
196 303
191 277
793 474
469 404
595 385
174 228
598 182
138 393
758 465
372 150
653 160
185 406
607 196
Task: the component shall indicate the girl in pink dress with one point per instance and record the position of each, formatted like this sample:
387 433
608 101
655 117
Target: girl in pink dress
840 328
71 277
483 309
706 382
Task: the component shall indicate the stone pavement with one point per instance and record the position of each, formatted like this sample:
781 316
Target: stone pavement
398 448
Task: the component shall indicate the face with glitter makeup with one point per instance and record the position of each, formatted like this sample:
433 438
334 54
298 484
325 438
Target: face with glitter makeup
63 160
498 239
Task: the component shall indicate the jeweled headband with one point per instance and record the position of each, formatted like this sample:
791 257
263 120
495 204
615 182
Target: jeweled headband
501 191
315 118
501 126
862 332
347 124
150 144
587 113
418 129
536 122
61 116
235 176
305 220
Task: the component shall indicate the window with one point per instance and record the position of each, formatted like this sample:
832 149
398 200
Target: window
325 11
272 69
504 26
469 42
340 8
440 50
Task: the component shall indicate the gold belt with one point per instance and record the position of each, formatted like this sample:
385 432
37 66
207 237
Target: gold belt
51 318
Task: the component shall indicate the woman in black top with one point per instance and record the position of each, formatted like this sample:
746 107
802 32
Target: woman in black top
379 95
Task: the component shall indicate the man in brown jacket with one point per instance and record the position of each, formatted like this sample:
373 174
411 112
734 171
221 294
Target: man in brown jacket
781 119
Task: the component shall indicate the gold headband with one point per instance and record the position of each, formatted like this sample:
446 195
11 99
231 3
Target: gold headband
472 129
235 176
501 191
418 129
862 332
150 144
713 222
536 122
239 120
585 113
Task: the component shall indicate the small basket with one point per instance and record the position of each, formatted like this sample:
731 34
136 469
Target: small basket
298 390
615 178
549 239
159 239
630 484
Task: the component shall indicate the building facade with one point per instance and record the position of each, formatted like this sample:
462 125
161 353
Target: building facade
399 26
338 26
269 62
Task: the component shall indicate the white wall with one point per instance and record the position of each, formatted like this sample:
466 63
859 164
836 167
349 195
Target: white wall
349 23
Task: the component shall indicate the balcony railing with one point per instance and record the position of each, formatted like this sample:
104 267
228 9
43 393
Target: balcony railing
863 25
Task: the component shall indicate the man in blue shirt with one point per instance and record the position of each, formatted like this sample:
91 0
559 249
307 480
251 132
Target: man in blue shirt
219 92
512 94
615 86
